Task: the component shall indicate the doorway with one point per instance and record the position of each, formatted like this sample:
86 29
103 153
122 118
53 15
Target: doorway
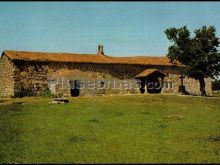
154 85
74 88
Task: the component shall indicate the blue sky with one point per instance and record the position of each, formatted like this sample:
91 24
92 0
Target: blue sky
124 28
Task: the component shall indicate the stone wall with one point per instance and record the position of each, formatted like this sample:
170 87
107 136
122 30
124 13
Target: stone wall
6 77
192 86
92 83
32 77
119 71
29 78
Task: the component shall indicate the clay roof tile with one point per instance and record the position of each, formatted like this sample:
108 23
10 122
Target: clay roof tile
86 58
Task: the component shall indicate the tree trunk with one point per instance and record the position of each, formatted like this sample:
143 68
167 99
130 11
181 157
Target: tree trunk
202 86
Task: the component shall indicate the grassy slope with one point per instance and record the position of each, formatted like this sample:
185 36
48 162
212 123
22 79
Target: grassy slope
126 129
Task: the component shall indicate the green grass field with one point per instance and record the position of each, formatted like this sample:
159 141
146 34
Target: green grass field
113 129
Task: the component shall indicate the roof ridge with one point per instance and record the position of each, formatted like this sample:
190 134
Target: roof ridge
105 57
39 52
153 56
86 58
72 53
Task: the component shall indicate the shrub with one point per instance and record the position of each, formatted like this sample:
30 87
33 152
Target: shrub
46 93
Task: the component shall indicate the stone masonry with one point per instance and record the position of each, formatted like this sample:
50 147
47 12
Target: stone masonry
20 78
6 77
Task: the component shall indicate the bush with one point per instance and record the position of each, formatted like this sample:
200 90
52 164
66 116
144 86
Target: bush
46 93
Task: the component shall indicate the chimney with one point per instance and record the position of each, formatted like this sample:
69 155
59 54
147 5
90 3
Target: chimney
100 50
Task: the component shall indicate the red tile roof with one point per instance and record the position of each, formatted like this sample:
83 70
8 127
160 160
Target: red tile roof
86 58
148 72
